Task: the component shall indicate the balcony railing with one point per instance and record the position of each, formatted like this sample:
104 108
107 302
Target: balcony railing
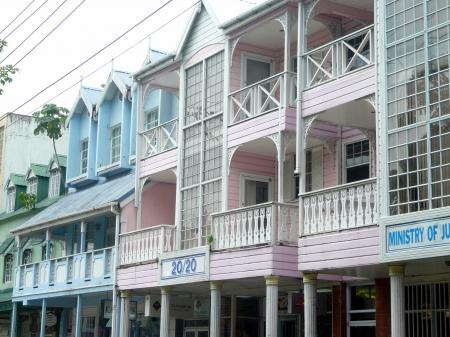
262 97
75 269
268 223
340 57
146 244
160 138
339 208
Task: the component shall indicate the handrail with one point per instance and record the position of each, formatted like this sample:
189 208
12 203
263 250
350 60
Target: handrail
67 256
147 229
157 126
338 187
262 81
359 31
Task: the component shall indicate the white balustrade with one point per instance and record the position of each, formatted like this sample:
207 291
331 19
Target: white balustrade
267 223
340 57
338 208
160 138
262 97
77 268
146 244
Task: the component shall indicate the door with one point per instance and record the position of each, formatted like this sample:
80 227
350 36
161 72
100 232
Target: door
288 326
256 70
196 332
256 190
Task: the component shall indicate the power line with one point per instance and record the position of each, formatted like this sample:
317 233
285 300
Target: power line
29 16
105 64
49 33
92 56
34 31
17 16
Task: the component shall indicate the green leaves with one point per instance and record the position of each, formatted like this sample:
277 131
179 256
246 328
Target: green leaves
28 200
5 71
51 121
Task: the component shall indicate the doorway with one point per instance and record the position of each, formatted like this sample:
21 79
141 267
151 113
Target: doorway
255 190
288 326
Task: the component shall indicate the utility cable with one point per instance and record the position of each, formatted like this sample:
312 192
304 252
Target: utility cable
29 16
17 16
49 33
34 31
92 56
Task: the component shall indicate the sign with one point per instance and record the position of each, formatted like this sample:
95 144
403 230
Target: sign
406 237
201 308
190 265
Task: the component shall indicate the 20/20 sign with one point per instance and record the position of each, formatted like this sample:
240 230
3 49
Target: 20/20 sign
184 266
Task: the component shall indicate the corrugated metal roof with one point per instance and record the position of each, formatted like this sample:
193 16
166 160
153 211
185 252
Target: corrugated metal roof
40 170
78 203
5 244
17 179
93 94
22 212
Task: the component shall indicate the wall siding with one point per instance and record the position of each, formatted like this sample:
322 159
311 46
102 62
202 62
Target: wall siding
203 32
163 161
350 248
138 277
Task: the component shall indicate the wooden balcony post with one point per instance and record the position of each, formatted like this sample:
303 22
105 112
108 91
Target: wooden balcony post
43 318
78 312
14 320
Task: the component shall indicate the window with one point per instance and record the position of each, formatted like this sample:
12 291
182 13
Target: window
361 311
88 326
84 155
308 171
151 118
8 268
11 202
115 144
55 183
357 161
27 256
32 186
44 251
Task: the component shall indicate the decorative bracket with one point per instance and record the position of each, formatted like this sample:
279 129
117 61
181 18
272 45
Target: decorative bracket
307 124
234 43
231 152
309 10
371 100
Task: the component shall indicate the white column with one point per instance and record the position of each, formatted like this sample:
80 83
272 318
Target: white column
397 275
43 316
83 228
271 305
14 320
216 293
124 315
78 317
165 309
310 292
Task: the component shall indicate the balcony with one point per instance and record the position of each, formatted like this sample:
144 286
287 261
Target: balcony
271 94
146 244
269 223
94 268
339 208
340 57
160 138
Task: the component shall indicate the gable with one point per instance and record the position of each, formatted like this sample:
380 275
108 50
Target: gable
202 32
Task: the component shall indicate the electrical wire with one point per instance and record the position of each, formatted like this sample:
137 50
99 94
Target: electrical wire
29 16
17 16
103 65
49 33
34 31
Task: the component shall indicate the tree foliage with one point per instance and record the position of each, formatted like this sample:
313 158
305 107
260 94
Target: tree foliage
5 70
51 121
28 200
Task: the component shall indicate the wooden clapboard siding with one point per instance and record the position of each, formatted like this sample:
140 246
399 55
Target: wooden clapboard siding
158 163
349 248
250 163
337 92
138 277
203 32
276 260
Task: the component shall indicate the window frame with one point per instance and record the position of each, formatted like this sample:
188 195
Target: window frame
255 57
244 176
32 185
54 183
115 143
27 254
148 113
8 265
349 311
10 199
344 156
84 155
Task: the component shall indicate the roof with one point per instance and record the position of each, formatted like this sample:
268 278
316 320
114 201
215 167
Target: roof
16 179
122 80
8 217
81 203
39 170
62 159
89 97
6 244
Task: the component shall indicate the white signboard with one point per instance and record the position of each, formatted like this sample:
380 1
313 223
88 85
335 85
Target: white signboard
185 266
412 236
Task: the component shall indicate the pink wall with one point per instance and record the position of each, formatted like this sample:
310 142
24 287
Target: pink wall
128 218
158 205
245 162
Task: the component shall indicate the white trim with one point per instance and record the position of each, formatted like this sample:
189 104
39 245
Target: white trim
344 144
256 57
254 177
186 32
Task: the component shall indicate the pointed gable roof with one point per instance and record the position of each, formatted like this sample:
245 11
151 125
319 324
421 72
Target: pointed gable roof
53 163
87 96
202 17
14 180
37 170
117 80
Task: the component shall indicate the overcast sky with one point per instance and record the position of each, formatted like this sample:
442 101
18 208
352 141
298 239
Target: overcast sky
91 27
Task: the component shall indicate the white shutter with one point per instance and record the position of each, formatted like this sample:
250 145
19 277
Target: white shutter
317 167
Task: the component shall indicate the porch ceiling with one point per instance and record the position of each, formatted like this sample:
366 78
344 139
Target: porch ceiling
357 114
167 80
269 35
